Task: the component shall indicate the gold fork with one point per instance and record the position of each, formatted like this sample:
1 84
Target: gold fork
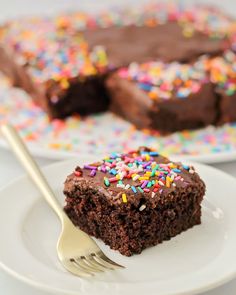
78 253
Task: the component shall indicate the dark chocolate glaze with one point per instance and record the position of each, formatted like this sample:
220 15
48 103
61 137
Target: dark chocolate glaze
128 44
76 186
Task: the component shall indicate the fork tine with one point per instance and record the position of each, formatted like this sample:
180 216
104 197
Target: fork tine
78 263
93 262
101 263
70 266
89 266
101 256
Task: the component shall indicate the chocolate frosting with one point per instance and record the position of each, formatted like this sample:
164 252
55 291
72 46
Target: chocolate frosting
79 185
128 44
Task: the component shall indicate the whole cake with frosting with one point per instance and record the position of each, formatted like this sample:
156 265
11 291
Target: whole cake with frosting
161 66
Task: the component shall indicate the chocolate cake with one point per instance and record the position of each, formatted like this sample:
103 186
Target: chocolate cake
176 96
135 200
161 99
72 63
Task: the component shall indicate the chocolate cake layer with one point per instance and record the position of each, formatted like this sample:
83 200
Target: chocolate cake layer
135 200
223 76
92 97
227 105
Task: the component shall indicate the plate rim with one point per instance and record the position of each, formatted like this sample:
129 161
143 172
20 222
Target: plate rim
43 286
53 154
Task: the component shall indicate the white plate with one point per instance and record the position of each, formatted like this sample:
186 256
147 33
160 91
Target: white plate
47 153
197 260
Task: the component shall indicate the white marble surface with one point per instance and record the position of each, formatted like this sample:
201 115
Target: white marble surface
9 168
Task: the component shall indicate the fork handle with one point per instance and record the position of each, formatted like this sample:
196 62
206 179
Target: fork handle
22 153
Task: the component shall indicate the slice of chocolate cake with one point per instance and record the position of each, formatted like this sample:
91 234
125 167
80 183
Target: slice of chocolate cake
165 97
135 200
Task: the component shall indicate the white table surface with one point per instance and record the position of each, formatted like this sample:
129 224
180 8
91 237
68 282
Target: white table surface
9 168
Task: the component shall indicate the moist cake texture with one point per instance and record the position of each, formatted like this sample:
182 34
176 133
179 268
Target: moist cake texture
145 61
134 200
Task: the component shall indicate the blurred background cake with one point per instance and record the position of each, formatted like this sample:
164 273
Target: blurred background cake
160 66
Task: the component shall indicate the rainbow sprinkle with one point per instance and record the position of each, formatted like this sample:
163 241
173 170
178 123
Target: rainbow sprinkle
223 72
124 198
163 81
